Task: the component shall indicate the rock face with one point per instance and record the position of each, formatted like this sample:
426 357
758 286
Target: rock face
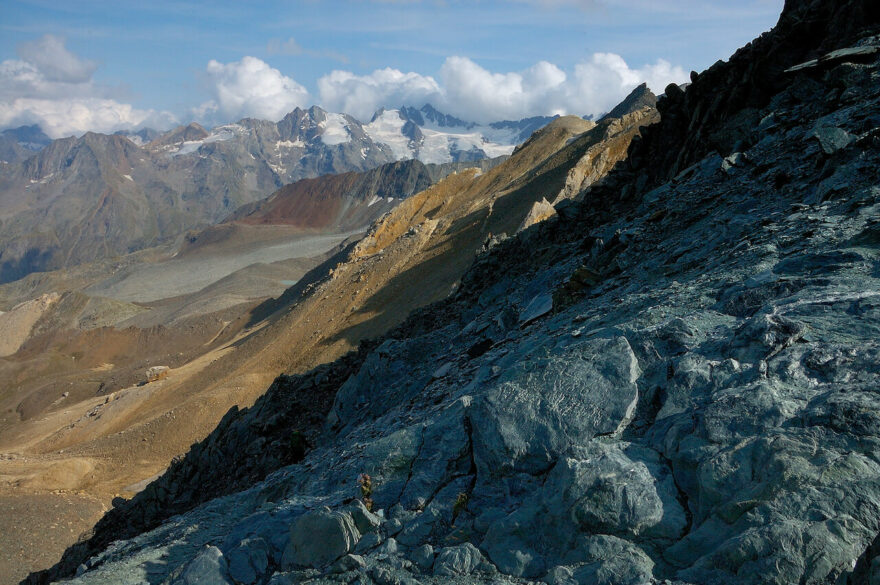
539 212
156 373
607 144
701 408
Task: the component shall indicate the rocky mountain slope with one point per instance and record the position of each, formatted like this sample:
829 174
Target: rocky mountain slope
18 144
98 196
674 379
346 201
80 447
76 452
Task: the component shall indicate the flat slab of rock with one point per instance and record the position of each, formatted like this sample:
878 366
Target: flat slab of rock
545 405
537 307
832 139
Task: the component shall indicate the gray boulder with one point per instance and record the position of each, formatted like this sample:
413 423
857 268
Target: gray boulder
248 561
604 560
605 491
209 567
319 537
832 139
364 520
463 559
348 563
423 557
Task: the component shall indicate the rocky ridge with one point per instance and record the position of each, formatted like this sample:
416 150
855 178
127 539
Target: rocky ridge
669 380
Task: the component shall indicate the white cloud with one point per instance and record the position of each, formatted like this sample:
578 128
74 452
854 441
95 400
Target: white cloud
55 62
472 92
52 87
478 94
362 95
600 83
60 118
251 88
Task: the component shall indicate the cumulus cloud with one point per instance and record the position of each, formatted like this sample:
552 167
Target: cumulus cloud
469 91
50 86
76 116
49 55
600 83
251 88
362 95
493 96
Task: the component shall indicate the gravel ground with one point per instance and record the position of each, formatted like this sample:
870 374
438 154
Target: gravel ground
188 274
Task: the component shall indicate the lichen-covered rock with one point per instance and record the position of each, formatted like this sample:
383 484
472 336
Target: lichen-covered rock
604 560
609 489
364 520
423 557
348 563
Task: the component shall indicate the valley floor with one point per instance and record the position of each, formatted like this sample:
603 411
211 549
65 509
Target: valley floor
74 434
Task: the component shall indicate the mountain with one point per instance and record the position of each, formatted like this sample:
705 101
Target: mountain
201 308
94 197
140 137
342 202
640 97
18 144
433 137
673 379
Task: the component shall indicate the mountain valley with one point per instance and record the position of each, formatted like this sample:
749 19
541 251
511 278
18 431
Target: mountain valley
149 193
79 425
640 349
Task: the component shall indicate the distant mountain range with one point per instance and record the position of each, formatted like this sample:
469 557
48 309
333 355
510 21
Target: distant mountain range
18 144
73 200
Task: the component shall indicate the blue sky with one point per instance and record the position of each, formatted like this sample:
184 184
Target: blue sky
162 62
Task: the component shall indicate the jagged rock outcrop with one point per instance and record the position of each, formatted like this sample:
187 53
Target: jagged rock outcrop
638 99
540 211
608 143
721 105
700 408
